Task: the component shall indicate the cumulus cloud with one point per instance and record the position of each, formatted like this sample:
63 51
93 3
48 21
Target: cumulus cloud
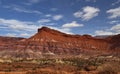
57 17
87 13
114 13
72 24
102 32
25 29
19 28
111 31
116 28
78 14
61 29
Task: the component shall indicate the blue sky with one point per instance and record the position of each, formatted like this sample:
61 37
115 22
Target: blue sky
22 18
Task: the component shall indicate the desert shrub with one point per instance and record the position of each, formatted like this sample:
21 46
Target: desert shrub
18 66
107 69
90 68
34 68
7 70
82 64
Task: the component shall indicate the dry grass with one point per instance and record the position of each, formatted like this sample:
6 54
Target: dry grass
62 66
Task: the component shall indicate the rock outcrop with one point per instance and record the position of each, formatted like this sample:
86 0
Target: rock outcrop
52 42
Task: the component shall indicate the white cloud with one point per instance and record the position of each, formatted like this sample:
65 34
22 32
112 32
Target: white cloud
24 35
64 30
57 17
72 24
44 21
114 13
21 28
21 9
54 17
26 10
50 24
18 35
117 2
48 15
101 32
3 27
78 14
116 28
25 29
11 35
18 25
113 22
111 31
87 13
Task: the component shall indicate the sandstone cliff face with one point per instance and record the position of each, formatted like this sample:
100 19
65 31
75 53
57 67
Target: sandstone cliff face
115 42
51 42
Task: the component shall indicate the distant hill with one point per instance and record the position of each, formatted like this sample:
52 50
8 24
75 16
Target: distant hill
54 43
